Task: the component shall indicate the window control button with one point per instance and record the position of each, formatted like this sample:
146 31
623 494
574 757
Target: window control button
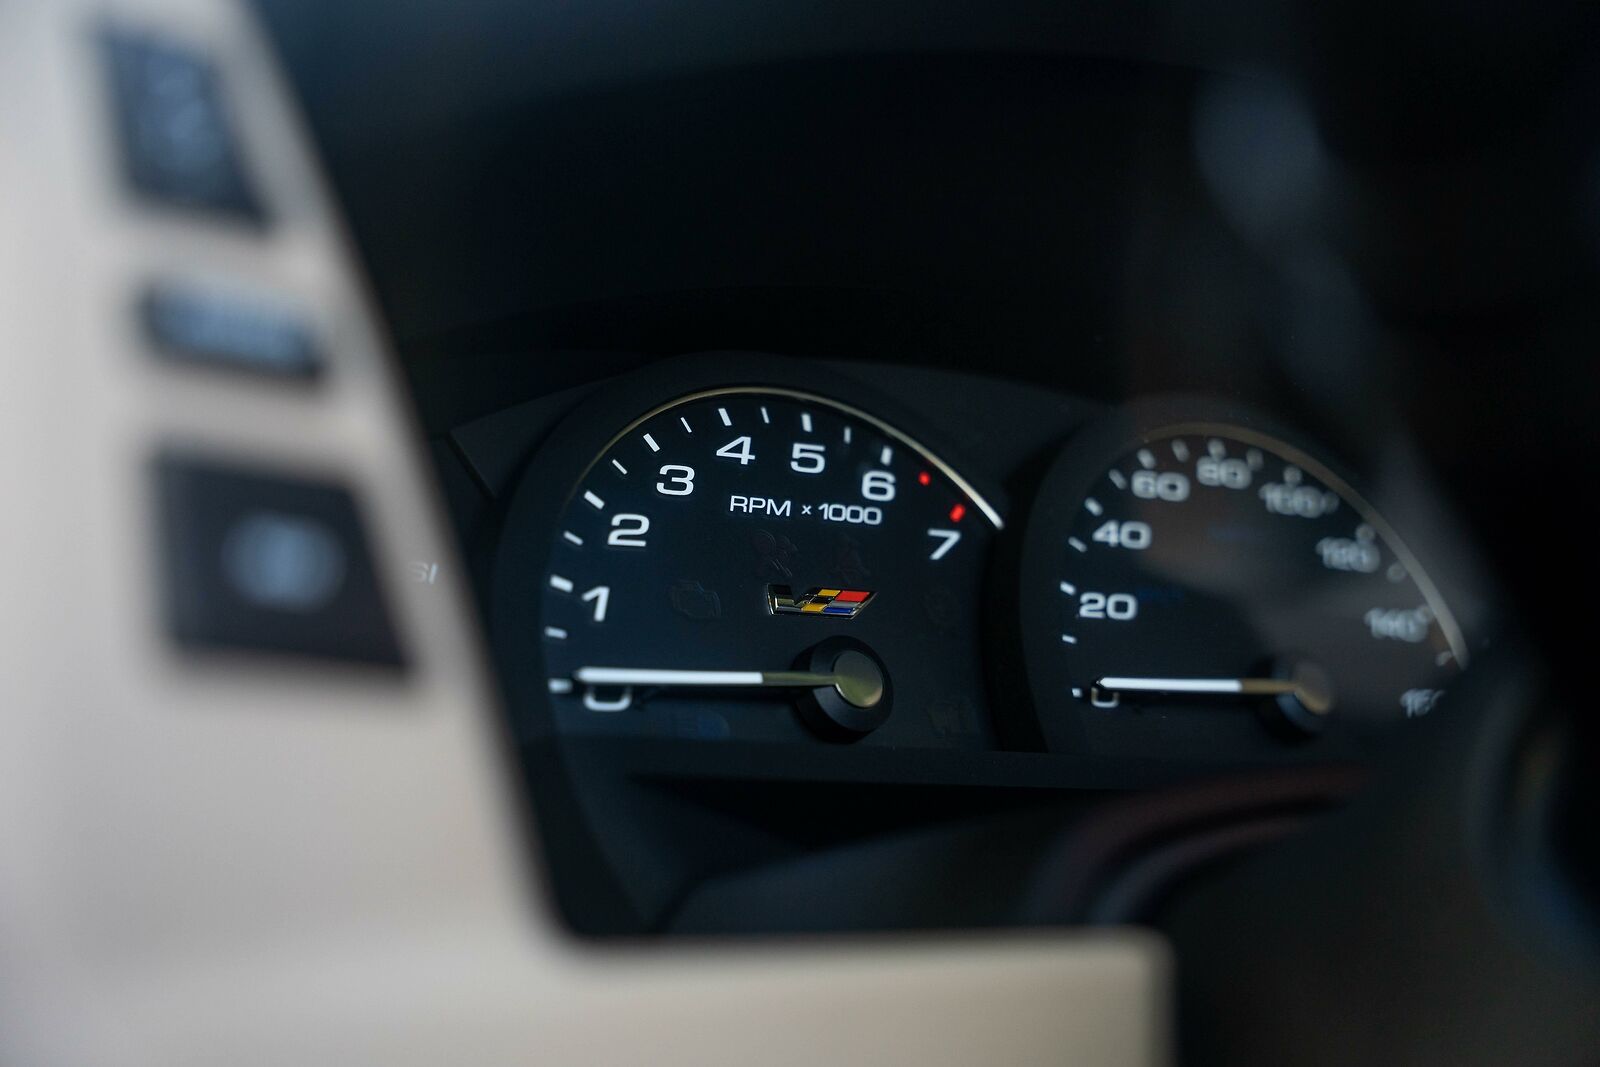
256 561
231 332
177 143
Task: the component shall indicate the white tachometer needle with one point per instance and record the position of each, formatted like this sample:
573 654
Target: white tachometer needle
856 677
643 676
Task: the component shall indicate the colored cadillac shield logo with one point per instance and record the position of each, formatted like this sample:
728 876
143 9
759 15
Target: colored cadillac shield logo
843 603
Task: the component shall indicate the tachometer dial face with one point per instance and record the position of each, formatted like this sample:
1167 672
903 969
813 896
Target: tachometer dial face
1194 582
769 565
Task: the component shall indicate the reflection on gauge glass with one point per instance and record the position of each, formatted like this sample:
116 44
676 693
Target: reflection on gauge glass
766 565
1196 572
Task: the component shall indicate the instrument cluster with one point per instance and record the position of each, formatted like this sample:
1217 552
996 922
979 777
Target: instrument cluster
734 571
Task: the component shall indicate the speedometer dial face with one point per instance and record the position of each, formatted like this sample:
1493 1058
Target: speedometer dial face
764 564
1194 582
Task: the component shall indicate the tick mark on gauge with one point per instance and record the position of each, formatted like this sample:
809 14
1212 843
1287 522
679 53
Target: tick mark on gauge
1092 505
572 537
805 421
765 418
555 633
686 427
1180 451
561 685
1077 544
620 468
1117 479
1217 449
886 455
722 413
1147 459
847 435
594 501
1069 589
651 441
560 584
1069 639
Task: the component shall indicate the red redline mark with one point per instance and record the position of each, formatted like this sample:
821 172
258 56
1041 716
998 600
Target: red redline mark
924 478
957 511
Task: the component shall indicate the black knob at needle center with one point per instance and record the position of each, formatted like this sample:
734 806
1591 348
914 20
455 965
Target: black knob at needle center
858 701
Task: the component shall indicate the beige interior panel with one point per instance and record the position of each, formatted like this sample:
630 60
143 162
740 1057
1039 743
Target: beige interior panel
239 860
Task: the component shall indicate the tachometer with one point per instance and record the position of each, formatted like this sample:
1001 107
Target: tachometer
1181 573
763 563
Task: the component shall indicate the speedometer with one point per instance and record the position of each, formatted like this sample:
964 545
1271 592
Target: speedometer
762 563
1188 579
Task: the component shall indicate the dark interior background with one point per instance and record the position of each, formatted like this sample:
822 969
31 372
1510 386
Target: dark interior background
1378 219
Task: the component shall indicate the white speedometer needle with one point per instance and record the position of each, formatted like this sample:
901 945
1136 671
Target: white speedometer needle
1306 683
1233 686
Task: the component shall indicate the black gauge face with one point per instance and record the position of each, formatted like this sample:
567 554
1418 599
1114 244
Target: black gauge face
1203 581
766 565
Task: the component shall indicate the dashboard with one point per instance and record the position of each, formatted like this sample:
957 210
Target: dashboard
1062 444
